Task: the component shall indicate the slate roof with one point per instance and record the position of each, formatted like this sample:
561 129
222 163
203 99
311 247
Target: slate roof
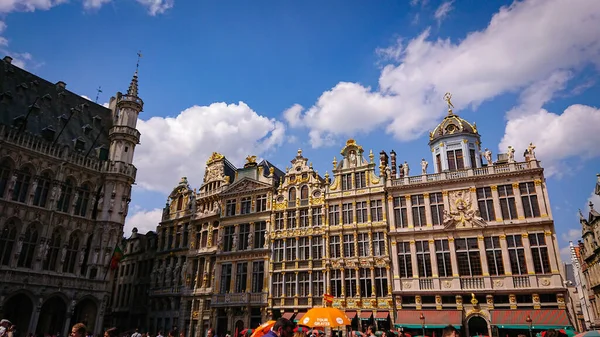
56 108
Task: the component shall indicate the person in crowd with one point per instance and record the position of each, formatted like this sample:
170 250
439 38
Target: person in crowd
78 330
283 328
210 332
160 333
450 331
112 332
371 331
136 333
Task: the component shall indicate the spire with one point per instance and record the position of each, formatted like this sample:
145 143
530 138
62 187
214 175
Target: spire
133 86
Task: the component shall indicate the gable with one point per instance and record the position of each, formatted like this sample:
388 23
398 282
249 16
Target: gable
246 185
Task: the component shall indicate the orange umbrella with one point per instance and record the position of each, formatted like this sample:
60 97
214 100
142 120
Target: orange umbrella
263 329
325 317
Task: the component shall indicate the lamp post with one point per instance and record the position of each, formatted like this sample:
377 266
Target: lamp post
529 322
422 318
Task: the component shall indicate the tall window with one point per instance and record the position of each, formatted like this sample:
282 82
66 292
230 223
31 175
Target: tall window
53 250
246 205
30 241
318 283
304 192
290 284
378 244
455 160
71 257
5 169
304 218
303 248
180 203
291 219
261 203
65 196
225 278
22 185
361 212
507 202
376 210
258 274
241 277
334 215
317 247
334 246
366 284
530 200
404 260
423 258
400 212
442 252
347 212
486 203
317 216
472 157
260 228
278 250
437 208
438 163
277 285
228 234
7 242
467 257
230 207
83 199
349 245
359 180
303 284
290 249
292 194
243 236
350 278
346 182
539 251
363 244
493 254
41 192
279 221
336 282
381 282
418 210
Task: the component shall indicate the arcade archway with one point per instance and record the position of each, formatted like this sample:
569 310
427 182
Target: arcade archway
85 312
477 326
52 316
18 309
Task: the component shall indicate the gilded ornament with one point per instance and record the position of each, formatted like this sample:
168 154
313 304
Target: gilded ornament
537 182
494 187
214 157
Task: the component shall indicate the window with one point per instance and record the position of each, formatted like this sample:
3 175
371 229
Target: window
468 257
279 221
317 216
277 285
261 203
30 241
303 248
290 284
437 208
350 278
404 260
318 283
539 252
381 282
291 219
438 163
317 247
361 212
486 203
334 215
260 228
246 205
243 237
22 185
180 203
71 256
363 244
359 180
336 283
349 245
455 160
290 249
418 210
292 195
530 200
346 182
334 246
229 232
303 284
378 244
258 274
225 278
41 192
442 252
230 207
278 250
347 211
472 157
241 277
53 250
304 218
5 175
366 284
507 202
304 192
400 213
493 253
7 241
423 258
83 199
376 210
65 196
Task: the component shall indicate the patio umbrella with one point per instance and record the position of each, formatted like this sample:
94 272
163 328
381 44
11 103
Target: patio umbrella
325 317
263 329
591 333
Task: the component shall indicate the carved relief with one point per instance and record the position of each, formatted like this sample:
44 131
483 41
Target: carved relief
463 211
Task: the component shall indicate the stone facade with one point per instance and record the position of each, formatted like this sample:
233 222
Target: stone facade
65 180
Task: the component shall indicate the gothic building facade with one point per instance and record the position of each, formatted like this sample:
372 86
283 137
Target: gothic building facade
65 180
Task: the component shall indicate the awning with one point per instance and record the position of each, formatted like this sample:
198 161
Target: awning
382 315
351 314
287 315
434 319
541 319
298 316
365 315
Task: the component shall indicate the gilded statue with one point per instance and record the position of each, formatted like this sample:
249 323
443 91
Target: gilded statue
448 98
251 160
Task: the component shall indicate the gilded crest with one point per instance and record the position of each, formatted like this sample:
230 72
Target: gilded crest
463 212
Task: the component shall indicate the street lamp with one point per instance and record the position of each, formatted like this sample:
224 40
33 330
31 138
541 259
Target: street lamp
530 322
422 318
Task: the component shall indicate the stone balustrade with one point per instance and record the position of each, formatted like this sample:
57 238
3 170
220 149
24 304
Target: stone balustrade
239 299
507 282
124 129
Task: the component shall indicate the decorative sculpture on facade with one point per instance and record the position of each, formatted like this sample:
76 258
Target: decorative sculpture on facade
250 240
462 210
405 169
511 154
424 165
487 154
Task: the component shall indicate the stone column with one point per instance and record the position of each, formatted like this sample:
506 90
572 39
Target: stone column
35 315
496 198
428 216
233 277
432 252
518 201
409 217
373 287
395 265
528 255
554 267
505 255
413 260
392 215
541 198
485 270
453 258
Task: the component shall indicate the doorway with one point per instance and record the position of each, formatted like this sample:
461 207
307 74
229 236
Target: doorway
18 310
52 316
477 326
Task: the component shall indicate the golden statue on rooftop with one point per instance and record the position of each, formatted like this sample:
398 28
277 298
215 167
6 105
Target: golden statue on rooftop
251 160
448 98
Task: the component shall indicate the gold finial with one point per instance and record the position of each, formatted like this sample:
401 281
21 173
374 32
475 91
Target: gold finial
311 165
448 98
334 162
271 171
473 299
251 160
326 175
371 155
299 152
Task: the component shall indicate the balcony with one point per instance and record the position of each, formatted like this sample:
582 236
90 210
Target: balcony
52 280
472 283
505 282
119 167
125 130
239 299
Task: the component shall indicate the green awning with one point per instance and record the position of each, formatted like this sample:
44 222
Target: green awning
427 326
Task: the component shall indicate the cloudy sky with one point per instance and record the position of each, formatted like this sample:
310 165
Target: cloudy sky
268 77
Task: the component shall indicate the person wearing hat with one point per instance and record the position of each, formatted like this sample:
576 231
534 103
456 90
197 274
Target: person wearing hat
4 325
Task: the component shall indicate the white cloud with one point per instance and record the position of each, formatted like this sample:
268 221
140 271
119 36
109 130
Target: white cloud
523 44
292 115
571 235
595 200
565 253
173 147
143 220
7 6
442 12
94 4
157 6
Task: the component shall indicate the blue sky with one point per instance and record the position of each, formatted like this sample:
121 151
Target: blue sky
269 77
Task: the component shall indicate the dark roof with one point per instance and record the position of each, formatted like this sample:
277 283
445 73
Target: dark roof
55 109
450 126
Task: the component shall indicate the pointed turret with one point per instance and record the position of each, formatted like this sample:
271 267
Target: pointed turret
133 86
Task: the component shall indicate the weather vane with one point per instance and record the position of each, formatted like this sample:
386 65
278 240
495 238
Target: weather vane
98 91
447 98
137 65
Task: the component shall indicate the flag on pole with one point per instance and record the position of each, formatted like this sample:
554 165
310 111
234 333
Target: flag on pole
116 258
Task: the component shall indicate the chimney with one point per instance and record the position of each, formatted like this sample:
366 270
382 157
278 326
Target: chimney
61 85
8 59
393 165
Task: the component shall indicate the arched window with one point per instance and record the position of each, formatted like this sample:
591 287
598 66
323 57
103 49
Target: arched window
53 250
83 199
304 192
5 174
7 242
41 192
65 196
71 256
30 241
292 194
180 203
22 185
